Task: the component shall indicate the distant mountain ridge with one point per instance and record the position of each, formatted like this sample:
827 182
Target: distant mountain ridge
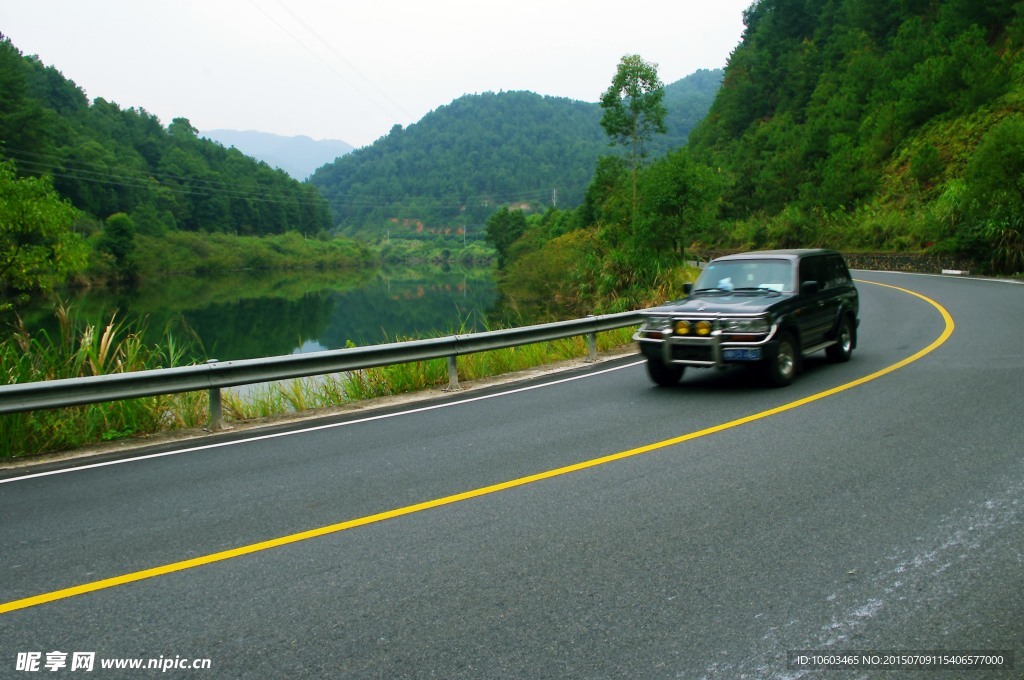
462 161
298 156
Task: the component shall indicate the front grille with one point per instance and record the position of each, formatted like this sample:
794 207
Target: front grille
692 353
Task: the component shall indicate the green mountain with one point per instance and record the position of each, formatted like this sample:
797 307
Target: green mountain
687 102
872 124
108 160
461 162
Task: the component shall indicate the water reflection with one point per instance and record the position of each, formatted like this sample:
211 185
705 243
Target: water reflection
247 315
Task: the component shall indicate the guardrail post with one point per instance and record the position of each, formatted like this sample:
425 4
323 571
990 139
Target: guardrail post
216 405
591 344
592 347
453 373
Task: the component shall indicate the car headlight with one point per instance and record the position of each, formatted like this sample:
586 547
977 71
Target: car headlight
745 326
656 328
656 324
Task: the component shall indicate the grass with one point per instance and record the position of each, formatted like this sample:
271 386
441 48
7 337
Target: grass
274 399
184 252
85 349
302 394
421 375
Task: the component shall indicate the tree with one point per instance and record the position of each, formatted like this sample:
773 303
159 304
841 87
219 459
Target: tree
606 199
680 197
503 229
24 123
37 247
995 173
633 107
995 182
118 240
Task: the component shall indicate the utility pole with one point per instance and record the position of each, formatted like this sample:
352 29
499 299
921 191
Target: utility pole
554 198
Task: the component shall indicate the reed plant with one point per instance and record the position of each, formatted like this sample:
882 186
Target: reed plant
273 399
84 349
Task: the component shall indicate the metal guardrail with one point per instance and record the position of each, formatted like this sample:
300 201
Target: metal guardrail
215 375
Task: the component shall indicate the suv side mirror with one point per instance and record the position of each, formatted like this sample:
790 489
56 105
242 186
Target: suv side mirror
687 288
810 287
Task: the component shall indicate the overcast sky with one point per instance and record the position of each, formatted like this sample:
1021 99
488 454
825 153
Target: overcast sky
339 69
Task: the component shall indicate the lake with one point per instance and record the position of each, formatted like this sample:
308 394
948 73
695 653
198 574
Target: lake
258 314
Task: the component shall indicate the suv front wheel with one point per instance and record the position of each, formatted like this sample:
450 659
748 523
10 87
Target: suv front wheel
664 375
781 368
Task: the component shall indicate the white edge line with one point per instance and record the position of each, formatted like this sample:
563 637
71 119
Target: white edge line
382 416
1014 282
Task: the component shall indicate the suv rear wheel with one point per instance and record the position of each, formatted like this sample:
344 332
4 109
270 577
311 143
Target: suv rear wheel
843 348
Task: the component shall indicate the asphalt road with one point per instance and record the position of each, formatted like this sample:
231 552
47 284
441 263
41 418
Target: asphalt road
588 525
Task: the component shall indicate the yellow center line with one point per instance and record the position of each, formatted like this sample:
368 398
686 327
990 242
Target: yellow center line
173 567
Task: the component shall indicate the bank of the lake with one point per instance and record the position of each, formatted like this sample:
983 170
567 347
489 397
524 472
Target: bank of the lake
190 318
251 314
423 303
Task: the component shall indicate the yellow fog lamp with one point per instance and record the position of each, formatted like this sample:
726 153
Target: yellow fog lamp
682 327
703 328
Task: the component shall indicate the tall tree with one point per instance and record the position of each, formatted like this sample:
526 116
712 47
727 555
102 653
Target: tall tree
633 107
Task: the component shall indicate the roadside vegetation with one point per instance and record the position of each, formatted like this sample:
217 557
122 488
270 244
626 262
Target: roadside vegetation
324 391
82 349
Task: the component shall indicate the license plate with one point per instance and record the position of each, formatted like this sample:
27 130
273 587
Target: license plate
741 354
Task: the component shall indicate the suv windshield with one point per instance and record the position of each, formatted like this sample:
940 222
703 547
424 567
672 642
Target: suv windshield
731 275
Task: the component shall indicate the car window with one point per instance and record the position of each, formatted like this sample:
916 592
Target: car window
813 269
839 274
729 275
829 271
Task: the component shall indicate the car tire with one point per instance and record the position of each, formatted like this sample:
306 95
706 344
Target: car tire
662 374
781 368
843 349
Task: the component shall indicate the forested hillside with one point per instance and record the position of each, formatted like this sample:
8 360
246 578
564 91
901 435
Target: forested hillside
863 125
108 160
874 125
463 161
687 102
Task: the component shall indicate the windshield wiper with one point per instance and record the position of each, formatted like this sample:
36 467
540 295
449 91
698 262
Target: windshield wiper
758 289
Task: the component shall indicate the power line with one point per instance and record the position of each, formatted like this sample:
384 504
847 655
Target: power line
330 47
324 62
66 168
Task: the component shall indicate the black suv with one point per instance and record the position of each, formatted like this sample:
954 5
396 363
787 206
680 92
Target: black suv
768 308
